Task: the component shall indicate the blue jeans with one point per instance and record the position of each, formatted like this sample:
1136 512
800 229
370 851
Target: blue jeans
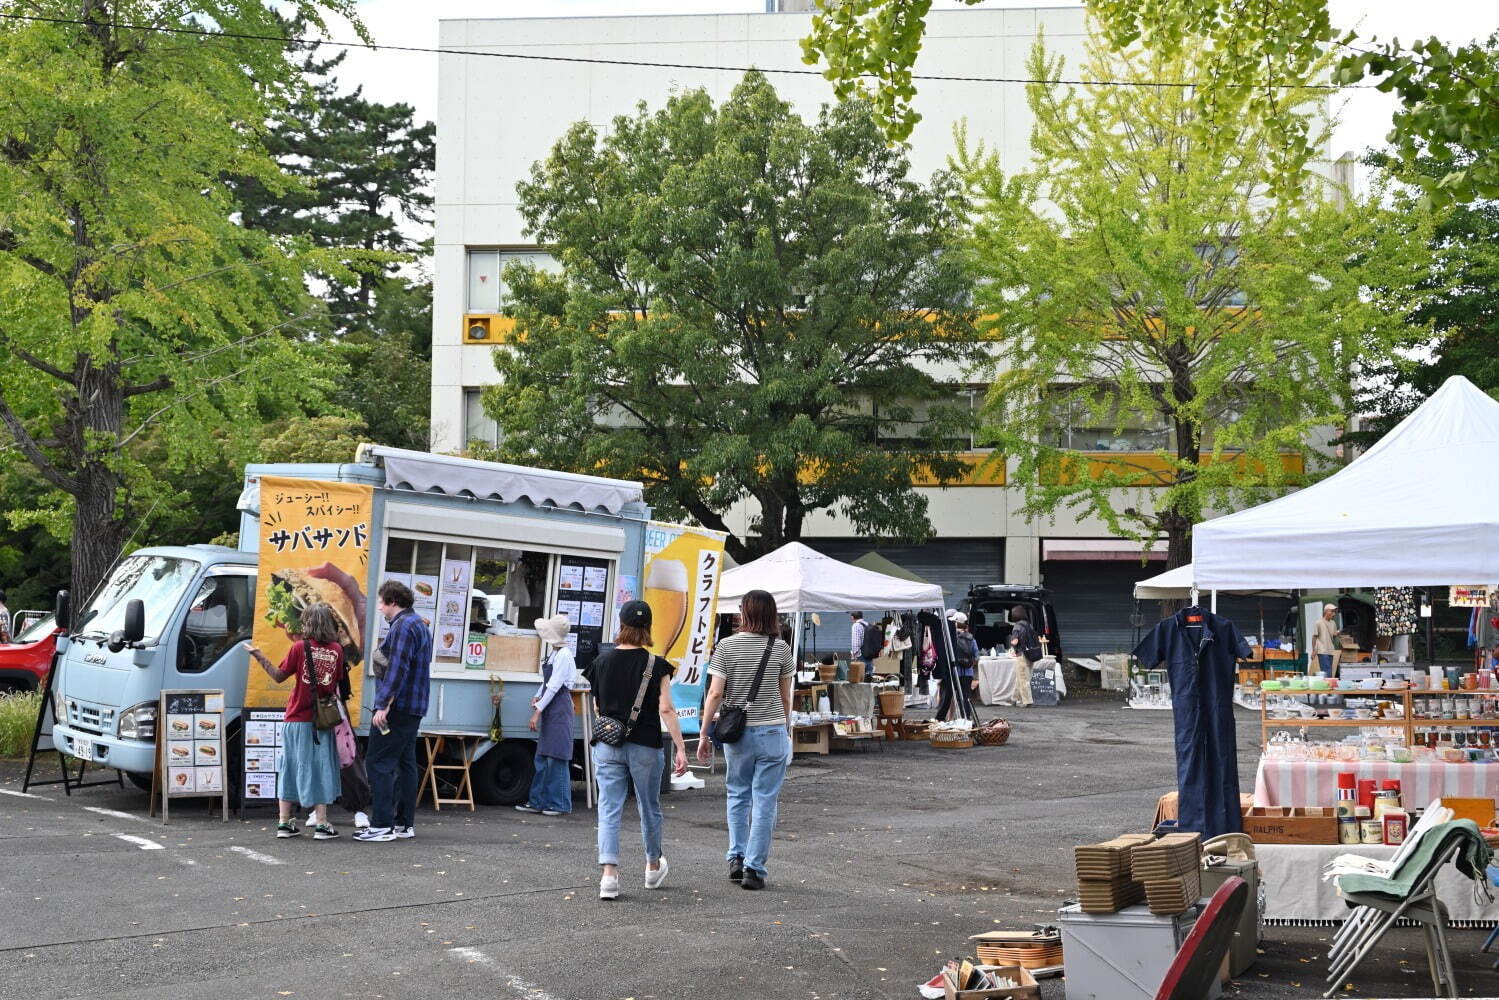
391 761
552 787
754 770
1324 660
617 768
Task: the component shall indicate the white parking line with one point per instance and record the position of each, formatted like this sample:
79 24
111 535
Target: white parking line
115 813
518 986
19 795
264 859
141 842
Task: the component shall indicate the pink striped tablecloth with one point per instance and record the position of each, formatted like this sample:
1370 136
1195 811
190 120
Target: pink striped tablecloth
1315 782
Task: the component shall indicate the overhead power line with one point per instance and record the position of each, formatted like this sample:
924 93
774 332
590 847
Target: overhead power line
646 64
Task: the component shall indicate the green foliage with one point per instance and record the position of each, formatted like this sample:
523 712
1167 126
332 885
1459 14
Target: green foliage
1256 55
1138 274
738 286
18 722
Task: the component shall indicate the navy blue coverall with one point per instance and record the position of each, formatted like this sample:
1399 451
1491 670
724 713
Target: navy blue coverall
1201 650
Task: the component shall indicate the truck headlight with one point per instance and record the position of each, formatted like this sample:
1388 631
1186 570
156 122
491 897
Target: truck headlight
59 706
138 722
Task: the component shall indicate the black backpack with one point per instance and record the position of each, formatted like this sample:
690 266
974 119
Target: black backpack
873 643
1030 645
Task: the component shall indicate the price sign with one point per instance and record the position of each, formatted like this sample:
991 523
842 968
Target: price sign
475 651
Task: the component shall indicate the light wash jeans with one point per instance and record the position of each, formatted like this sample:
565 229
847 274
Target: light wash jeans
617 768
552 786
1324 660
755 769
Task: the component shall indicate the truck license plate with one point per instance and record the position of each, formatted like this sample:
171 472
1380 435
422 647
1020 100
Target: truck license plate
83 749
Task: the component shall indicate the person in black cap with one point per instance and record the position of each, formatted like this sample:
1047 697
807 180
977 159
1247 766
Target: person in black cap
616 677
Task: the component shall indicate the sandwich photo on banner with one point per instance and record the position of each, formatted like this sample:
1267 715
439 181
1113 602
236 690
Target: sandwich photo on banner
314 547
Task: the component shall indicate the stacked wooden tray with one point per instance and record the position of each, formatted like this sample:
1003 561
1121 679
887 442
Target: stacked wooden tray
1171 869
1105 882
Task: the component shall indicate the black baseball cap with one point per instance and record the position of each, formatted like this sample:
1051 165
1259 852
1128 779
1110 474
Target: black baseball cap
636 614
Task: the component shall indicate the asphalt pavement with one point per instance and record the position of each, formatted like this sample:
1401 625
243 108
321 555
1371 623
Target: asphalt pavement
884 862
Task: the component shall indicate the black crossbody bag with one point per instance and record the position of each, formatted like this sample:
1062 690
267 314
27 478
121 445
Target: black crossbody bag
613 732
732 719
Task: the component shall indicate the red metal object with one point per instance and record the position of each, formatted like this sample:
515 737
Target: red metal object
24 665
1200 957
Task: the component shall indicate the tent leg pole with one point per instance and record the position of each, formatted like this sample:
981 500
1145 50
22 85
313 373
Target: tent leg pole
1214 599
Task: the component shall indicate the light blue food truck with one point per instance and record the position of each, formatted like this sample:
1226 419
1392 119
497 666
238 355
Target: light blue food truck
176 617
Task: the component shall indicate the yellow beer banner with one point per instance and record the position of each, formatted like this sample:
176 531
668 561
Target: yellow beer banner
314 547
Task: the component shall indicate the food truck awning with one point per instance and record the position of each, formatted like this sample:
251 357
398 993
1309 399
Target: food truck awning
424 472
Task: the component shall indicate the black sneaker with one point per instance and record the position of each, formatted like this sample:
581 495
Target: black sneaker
324 831
736 869
752 880
287 829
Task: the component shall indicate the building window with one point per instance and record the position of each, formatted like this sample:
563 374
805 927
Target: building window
486 270
478 425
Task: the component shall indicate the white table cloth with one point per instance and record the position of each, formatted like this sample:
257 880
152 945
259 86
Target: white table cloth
996 677
1291 876
1315 782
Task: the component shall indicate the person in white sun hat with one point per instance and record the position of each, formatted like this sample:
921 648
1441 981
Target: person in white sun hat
552 722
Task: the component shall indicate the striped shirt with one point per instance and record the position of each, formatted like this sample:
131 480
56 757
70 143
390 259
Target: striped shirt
736 659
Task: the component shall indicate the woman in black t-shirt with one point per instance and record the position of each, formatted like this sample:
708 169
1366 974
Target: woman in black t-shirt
616 677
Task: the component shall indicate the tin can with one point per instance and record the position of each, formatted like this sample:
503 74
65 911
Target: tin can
1348 832
1395 824
1371 831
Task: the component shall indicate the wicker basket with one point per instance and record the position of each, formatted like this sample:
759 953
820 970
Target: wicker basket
944 740
1028 956
892 704
994 733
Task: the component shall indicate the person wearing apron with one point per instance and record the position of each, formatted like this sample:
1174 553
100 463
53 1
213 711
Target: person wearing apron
552 721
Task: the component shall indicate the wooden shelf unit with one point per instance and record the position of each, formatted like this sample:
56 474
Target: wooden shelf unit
1406 699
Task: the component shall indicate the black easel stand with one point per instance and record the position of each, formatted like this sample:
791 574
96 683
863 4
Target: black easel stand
68 781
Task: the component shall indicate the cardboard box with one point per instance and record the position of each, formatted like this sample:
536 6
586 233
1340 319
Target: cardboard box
1291 825
1480 811
1027 990
515 654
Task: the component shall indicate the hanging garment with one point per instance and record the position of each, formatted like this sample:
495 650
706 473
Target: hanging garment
1200 650
1394 611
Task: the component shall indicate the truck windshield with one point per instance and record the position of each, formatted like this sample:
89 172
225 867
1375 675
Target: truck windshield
158 581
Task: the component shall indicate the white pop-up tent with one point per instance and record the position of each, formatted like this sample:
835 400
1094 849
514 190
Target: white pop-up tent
1414 510
1174 584
803 579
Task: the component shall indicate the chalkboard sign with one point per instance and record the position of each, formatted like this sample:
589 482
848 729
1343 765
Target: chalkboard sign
189 749
582 595
1044 682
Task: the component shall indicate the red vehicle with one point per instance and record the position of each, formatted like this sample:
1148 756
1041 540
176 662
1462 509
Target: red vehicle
25 662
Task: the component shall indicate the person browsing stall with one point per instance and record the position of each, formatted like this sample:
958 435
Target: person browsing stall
756 762
309 759
552 722
631 686
403 672
1325 638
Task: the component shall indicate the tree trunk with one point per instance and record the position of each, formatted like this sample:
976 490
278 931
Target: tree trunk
97 535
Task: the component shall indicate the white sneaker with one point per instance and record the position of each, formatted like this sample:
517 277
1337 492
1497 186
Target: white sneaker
375 835
609 887
404 832
312 819
653 879
361 820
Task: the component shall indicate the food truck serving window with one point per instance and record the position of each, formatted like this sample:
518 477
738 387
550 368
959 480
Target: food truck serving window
482 602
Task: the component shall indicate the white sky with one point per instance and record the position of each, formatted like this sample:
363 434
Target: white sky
412 77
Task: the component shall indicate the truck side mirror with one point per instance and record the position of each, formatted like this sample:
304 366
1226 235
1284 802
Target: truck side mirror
62 611
135 621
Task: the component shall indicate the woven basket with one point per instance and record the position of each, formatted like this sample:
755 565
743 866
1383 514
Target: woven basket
994 733
950 740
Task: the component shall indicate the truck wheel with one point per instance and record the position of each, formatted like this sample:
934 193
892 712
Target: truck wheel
139 779
502 777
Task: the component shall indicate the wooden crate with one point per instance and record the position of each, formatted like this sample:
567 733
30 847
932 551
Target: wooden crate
1291 825
812 739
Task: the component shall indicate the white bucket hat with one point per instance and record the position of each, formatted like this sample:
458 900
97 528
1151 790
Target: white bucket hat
553 630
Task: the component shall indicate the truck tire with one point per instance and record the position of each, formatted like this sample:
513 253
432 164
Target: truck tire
502 777
140 779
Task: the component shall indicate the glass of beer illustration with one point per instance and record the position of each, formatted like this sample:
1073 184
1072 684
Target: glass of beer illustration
666 593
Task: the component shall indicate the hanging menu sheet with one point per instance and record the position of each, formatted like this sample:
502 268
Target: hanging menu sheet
262 752
451 633
582 591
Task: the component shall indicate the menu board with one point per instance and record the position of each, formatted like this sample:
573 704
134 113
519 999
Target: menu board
263 751
451 632
190 746
582 592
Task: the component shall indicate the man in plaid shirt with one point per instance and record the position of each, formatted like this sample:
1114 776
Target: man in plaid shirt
403 672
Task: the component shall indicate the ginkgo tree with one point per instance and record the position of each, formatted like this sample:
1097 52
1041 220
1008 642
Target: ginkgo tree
133 306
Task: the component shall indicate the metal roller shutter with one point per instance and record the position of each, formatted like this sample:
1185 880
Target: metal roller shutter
954 564
1094 601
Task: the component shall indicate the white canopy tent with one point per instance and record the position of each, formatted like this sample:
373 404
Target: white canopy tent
1414 510
803 579
1171 585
